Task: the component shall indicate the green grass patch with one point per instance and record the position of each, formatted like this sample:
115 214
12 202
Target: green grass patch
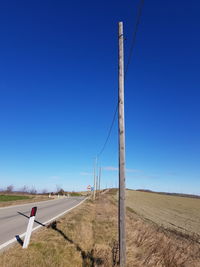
4 198
74 194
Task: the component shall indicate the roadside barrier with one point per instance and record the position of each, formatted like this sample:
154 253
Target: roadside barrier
29 227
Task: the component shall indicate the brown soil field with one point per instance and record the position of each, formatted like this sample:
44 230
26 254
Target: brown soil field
87 236
171 212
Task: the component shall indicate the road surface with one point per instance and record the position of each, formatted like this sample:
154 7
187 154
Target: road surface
14 220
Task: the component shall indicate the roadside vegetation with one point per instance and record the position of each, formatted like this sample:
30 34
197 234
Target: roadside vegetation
75 194
87 236
18 199
12 197
9 196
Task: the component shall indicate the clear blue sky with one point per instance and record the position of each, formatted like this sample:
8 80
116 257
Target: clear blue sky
58 92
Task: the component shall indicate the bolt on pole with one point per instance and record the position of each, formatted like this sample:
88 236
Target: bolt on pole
121 125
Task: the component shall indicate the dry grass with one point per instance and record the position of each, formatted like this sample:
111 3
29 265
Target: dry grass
151 245
87 237
171 212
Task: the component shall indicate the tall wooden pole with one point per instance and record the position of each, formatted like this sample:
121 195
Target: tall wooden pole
121 124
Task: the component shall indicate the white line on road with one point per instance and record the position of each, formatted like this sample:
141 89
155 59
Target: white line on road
35 228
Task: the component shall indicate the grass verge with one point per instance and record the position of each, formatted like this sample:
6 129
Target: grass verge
10 200
4 198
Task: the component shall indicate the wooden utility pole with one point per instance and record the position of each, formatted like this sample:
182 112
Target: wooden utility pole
121 125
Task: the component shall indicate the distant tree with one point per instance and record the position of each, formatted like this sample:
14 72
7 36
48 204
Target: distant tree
44 191
33 190
61 192
24 189
58 188
10 188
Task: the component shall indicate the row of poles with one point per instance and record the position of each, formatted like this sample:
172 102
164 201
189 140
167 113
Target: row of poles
121 138
97 178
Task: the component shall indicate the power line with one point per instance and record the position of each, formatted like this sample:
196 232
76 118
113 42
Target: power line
125 73
109 132
134 35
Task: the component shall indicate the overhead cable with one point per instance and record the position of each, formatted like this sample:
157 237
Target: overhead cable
139 13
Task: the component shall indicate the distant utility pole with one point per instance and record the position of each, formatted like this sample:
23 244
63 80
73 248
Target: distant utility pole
99 179
94 192
121 125
97 175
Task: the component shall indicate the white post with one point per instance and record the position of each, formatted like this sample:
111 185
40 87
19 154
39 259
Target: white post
29 227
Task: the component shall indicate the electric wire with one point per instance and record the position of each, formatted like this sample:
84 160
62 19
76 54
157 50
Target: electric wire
109 132
139 13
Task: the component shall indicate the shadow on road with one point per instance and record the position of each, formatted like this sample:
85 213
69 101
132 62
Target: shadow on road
29 217
86 256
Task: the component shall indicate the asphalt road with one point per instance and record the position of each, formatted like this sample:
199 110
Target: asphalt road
14 220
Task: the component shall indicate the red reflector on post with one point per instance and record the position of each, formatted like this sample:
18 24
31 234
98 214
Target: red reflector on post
33 211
